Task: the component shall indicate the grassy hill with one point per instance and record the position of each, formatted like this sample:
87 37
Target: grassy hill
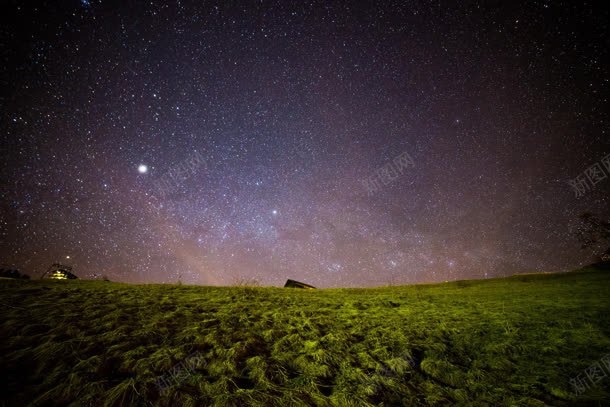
510 341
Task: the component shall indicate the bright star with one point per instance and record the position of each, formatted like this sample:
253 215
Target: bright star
143 169
274 211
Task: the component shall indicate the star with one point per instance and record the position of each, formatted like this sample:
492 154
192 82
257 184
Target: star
142 169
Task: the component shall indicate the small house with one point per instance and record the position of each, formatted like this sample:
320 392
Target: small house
59 272
297 284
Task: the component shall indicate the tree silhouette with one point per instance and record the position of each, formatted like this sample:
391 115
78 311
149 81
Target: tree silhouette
593 230
13 274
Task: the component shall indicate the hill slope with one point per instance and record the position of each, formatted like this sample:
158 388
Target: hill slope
511 341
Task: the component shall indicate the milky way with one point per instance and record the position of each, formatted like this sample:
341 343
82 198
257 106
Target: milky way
336 143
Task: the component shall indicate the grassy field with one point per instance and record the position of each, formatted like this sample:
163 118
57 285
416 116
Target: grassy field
512 341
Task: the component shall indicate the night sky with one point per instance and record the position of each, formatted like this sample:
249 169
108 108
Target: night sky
336 143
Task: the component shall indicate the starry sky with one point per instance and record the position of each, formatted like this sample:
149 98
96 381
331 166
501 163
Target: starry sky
341 144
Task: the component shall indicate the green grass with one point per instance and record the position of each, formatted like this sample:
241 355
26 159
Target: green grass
503 342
